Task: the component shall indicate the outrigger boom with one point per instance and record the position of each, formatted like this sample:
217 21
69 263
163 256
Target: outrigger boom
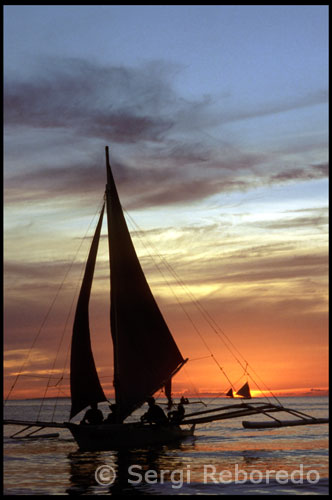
27 425
245 409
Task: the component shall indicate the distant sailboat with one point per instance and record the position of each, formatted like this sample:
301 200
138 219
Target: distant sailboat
230 394
244 392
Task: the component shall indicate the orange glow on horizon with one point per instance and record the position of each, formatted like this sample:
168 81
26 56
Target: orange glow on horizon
27 393
286 369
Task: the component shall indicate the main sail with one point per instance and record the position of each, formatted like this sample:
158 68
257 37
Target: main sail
145 353
84 382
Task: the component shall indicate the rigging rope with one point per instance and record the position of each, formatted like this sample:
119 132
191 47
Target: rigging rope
206 315
66 323
19 374
184 310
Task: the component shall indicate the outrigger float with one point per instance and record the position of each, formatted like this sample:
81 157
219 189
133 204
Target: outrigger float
146 357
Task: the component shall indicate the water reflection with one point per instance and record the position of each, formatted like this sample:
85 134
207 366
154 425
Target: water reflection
82 468
163 460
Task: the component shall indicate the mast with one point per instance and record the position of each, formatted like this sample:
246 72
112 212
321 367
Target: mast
110 188
145 353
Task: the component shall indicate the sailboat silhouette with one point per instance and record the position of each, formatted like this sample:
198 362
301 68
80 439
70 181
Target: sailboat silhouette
146 356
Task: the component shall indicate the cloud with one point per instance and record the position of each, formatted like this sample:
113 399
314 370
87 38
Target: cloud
317 97
296 223
36 271
135 107
122 105
318 171
286 268
140 187
167 184
257 268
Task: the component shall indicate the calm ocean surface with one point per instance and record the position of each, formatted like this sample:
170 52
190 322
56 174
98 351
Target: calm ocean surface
222 458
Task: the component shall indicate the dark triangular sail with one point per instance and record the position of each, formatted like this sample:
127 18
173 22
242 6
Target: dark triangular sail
145 353
230 393
244 391
84 382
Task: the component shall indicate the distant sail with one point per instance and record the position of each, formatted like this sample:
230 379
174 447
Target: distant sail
244 391
230 393
145 353
84 382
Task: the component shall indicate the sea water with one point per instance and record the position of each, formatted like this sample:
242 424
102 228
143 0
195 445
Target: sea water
222 458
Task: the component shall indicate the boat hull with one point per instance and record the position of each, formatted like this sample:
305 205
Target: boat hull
108 437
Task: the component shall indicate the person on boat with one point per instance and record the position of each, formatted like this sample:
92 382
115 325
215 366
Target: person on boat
155 414
93 415
112 418
184 401
169 403
176 416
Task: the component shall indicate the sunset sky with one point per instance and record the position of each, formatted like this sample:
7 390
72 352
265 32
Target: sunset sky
217 123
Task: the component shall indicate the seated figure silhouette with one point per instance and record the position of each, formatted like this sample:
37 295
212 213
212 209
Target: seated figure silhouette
112 418
93 415
176 416
155 414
